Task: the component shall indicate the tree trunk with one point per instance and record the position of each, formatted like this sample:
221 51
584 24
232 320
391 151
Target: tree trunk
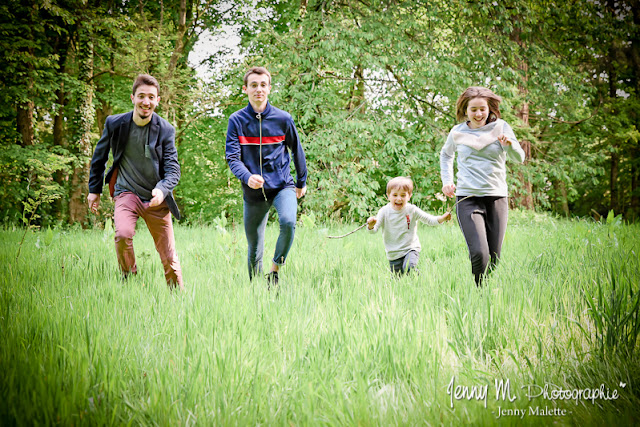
524 199
62 47
634 207
615 155
357 92
174 112
182 30
24 108
24 122
564 200
58 119
615 171
102 113
83 122
60 177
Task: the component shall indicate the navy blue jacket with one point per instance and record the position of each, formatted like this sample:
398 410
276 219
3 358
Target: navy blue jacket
163 153
243 150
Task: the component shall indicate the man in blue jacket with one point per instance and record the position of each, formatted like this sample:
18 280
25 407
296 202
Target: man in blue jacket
141 181
259 139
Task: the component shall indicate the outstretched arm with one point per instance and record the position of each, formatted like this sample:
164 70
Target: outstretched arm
426 218
375 222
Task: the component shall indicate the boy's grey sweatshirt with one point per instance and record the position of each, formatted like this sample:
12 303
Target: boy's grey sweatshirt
481 159
399 229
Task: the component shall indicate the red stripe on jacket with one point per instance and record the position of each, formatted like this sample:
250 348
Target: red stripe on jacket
255 140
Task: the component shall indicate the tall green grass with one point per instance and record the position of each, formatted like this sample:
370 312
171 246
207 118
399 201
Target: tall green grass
343 342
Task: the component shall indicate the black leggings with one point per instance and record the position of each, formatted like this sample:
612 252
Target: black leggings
483 221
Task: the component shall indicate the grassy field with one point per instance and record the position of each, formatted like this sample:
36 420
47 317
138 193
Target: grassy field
341 343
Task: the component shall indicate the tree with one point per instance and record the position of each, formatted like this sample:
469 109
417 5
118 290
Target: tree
83 124
371 85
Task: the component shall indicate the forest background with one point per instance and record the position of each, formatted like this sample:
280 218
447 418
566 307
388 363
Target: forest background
371 85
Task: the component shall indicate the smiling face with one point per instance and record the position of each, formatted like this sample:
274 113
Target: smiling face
477 112
145 101
257 89
398 198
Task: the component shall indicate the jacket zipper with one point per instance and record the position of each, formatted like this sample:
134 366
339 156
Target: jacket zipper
259 117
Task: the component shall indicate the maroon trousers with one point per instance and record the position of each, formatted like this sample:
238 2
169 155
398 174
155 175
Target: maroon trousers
127 210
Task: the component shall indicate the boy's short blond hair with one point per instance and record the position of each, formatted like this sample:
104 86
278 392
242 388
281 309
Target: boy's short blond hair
400 183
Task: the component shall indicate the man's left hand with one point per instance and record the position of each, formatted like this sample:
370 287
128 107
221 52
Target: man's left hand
300 192
158 197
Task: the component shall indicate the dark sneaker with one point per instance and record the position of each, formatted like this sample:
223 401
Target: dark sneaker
272 279
124 276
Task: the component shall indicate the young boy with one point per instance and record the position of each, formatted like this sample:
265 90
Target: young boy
399 222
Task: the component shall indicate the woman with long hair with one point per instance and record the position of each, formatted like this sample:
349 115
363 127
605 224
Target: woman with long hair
483 142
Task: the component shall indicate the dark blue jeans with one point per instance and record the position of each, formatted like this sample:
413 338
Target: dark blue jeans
406 264
255 217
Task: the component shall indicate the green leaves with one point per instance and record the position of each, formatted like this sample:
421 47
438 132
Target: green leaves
372 87
308 221
613 308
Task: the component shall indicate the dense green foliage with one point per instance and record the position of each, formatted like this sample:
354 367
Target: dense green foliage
371 84
342 343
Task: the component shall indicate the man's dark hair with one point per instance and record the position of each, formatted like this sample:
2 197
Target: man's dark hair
145 79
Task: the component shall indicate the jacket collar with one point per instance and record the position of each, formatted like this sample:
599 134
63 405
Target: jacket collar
154 130
253 113
124 132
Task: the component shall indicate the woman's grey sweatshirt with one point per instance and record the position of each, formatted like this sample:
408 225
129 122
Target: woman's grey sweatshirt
481 159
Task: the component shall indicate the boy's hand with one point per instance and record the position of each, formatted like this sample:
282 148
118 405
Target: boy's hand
445 217
371 221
